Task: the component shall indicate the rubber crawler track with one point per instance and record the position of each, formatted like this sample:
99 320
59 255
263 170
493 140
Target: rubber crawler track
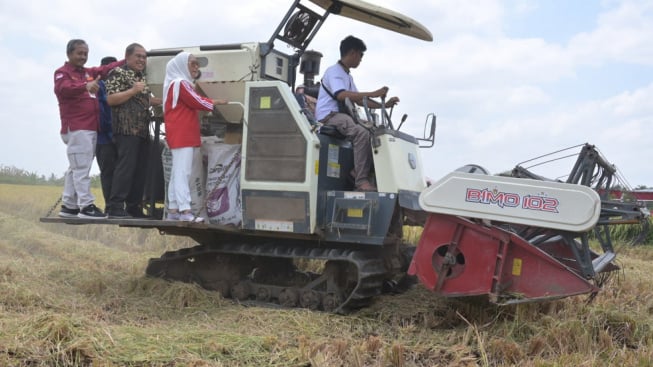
177 265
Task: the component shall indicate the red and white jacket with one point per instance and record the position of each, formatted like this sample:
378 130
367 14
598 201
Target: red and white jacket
182 122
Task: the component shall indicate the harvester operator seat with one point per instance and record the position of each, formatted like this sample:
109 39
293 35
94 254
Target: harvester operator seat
331 131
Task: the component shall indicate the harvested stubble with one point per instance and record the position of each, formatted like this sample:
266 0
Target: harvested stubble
77 296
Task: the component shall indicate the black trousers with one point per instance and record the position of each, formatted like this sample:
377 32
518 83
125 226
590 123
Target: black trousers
106 159
129 176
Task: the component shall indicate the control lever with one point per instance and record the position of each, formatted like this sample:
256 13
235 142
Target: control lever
403 119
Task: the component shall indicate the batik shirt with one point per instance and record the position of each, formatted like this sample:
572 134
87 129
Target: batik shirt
132 117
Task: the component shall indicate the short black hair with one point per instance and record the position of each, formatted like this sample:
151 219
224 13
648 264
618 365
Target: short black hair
132 47
72 44
351 43
108 60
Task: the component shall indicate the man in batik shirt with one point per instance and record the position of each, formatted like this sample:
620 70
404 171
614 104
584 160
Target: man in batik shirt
130 100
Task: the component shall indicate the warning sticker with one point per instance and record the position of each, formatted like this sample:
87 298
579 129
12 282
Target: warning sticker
266 103
334 150
273 225
333 170
516 267
354 195
355 213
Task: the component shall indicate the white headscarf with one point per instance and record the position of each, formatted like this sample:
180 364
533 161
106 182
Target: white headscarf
176 71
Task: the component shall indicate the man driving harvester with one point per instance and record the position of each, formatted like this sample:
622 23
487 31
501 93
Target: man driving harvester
337 86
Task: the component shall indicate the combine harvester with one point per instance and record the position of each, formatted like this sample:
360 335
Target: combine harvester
514 239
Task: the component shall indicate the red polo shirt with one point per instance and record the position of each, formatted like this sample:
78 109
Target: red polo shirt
79 109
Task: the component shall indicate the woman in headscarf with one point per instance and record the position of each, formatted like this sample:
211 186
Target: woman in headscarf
181 106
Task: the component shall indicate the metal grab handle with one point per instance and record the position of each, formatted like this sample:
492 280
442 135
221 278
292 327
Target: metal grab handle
242 106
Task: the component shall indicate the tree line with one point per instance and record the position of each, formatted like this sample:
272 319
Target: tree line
18 176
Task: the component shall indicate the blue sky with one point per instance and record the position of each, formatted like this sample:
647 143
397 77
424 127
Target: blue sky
509 80
555 20
558 22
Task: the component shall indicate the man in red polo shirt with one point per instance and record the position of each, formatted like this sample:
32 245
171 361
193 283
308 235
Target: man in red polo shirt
75 87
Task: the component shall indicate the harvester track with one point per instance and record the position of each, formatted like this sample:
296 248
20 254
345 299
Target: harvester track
248 271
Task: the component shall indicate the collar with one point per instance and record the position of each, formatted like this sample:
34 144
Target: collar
343 66
69 65
139 74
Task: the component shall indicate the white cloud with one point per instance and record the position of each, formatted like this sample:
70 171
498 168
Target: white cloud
527 96
624 34
628 103
496 96
620 126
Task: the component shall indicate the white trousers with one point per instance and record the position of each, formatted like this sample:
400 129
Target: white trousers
178 187
77 182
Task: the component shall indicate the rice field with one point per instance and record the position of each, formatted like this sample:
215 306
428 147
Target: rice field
77 296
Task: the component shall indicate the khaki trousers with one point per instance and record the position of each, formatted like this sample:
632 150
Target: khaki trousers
360 138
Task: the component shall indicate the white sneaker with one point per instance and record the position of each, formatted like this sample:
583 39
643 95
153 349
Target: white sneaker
172 216
190 217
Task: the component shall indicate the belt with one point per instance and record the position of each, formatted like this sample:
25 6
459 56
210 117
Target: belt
327 117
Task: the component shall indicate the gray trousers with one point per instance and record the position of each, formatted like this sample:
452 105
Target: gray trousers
77 182
360 138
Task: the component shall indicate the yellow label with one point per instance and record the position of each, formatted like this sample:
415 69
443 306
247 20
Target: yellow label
516 267
317 168
266 102
355 213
